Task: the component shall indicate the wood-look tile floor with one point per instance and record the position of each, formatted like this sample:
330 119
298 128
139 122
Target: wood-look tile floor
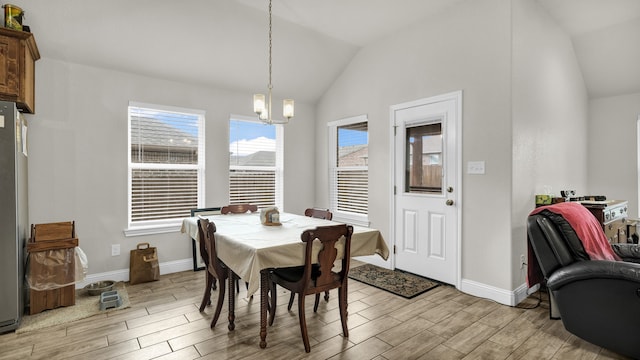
163 322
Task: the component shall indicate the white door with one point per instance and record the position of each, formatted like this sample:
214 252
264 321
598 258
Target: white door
427 186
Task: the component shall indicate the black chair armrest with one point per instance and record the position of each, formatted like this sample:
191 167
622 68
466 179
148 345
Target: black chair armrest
628 252
594 269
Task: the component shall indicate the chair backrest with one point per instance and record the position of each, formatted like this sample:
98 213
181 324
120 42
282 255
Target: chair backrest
206 234
554 242
329 236
238 208
318 213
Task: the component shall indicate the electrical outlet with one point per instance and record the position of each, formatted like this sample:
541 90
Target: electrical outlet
522 262
115 249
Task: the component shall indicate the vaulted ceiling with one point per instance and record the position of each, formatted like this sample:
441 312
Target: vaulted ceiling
224 42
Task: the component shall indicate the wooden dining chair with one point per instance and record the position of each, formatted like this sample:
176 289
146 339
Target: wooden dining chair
238 208
216 269
196 254
198 263
318 214
308 279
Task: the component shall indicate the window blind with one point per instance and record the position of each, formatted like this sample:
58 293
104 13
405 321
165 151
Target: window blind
166 165
253 187
163 193
352 193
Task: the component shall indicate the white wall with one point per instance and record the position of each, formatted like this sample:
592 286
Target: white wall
78 154
550 107
523 95
613 148
466 48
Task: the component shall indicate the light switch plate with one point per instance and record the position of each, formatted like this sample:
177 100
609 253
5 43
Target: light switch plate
1 121
475 167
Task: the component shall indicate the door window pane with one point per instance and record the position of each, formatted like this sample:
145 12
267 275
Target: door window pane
423 154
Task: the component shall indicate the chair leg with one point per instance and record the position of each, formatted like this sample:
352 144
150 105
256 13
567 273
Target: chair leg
303 323
342 304
315 304
232 298
216 314
293 296
214 286
326 296
206 298
273 303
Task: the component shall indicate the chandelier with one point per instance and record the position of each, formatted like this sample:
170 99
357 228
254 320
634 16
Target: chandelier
262 105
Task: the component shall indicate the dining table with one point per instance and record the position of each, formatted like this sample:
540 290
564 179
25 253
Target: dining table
250 249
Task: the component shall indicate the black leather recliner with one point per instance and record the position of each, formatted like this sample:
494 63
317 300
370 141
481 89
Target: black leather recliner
597 300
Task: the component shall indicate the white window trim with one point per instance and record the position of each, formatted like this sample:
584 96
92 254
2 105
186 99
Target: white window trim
279 167
174 225
638 156
341 216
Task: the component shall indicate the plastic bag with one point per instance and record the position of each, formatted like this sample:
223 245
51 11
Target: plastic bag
82 264
51 269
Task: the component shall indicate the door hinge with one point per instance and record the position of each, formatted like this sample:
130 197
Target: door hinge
395 130
394 249
394 190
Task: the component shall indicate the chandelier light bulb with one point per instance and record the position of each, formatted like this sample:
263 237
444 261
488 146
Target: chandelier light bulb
287 108
264 115
258 103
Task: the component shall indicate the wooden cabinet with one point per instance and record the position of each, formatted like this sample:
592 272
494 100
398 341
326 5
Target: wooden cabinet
612 215
18 54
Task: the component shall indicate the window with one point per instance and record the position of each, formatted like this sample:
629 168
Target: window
424 154
255 162
166 165
349 170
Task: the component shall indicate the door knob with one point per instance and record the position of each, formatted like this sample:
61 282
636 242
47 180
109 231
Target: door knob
449 202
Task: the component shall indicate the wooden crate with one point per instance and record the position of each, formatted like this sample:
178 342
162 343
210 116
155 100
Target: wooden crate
52 261
53 231
51 299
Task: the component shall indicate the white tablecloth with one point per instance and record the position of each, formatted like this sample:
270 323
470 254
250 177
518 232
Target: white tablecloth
246 246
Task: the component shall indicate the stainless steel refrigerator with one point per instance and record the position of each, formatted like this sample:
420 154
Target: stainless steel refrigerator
14 222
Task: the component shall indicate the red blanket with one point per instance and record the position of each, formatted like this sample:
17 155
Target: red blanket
587 228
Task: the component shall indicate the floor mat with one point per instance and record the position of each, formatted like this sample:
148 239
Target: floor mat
85 306
397 282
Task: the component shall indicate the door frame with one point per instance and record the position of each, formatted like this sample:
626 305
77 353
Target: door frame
456 96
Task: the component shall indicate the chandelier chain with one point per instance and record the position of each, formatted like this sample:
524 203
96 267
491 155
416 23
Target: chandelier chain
262 104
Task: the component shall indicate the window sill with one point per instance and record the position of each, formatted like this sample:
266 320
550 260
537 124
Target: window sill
151 230
352 220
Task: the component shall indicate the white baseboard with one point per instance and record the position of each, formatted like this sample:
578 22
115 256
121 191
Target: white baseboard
502 296
123 274
374 260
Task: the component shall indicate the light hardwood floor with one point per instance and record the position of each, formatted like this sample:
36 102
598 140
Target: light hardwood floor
163 322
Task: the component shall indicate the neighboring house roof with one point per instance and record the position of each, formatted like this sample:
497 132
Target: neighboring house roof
356 155
346 150
259 158
349 156
156 132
